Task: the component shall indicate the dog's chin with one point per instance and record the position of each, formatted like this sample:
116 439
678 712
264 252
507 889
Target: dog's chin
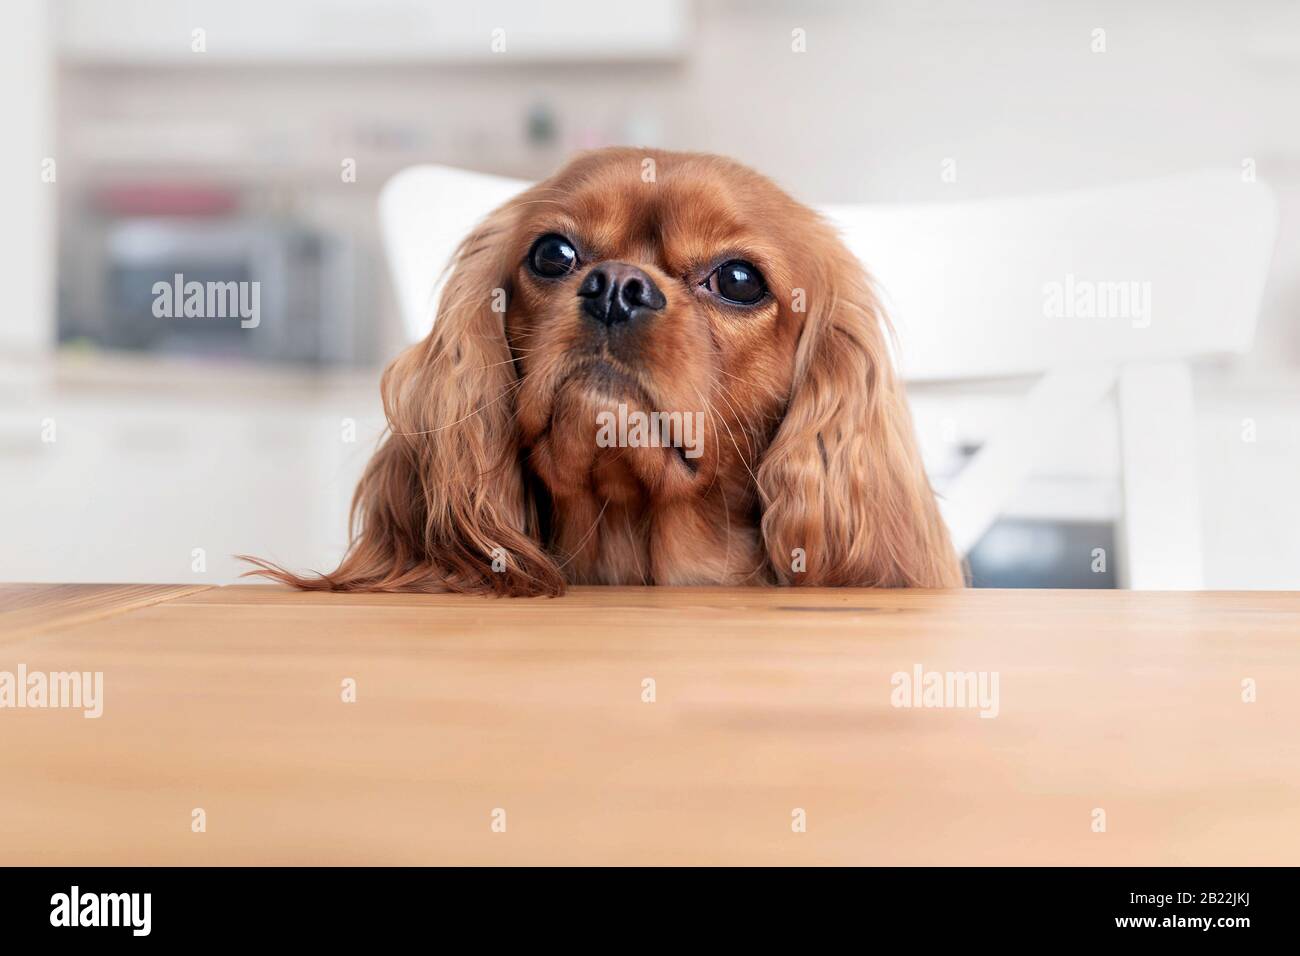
588 443
607 380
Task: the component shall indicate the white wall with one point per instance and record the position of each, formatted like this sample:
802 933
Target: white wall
27 239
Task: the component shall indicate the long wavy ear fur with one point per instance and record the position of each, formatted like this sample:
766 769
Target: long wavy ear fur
843 479
443 501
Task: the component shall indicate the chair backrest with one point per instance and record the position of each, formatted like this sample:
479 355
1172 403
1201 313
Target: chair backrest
1167 268
424 213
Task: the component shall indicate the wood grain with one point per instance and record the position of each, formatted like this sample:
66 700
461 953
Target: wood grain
31 608
766 701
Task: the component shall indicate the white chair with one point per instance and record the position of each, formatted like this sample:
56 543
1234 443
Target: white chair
1093 291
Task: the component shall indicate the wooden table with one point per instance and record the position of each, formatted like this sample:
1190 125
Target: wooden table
766 702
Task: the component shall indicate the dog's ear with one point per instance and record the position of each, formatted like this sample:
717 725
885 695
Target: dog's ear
443 504
846 501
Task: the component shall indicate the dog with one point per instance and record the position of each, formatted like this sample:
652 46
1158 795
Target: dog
698 298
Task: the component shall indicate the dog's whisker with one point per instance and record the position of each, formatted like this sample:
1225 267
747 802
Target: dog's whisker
589 533
743 460
721 390
717 439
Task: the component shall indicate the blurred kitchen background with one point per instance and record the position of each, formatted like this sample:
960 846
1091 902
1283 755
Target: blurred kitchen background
137 449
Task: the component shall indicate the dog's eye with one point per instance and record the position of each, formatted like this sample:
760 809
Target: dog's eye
553 256
737 281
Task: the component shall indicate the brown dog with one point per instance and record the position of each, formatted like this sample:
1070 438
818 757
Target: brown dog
697 294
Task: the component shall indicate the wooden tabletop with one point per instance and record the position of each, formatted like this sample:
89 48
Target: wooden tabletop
768 709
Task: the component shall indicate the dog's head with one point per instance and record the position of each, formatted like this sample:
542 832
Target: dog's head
660 283
639 282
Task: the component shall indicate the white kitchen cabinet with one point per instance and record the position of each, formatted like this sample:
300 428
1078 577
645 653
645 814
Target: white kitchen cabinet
163 31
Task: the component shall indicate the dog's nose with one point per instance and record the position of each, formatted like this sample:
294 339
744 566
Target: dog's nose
616 292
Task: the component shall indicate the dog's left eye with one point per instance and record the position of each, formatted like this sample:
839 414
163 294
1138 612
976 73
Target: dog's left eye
737 281
553 256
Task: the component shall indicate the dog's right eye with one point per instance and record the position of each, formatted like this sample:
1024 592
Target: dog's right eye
553 256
